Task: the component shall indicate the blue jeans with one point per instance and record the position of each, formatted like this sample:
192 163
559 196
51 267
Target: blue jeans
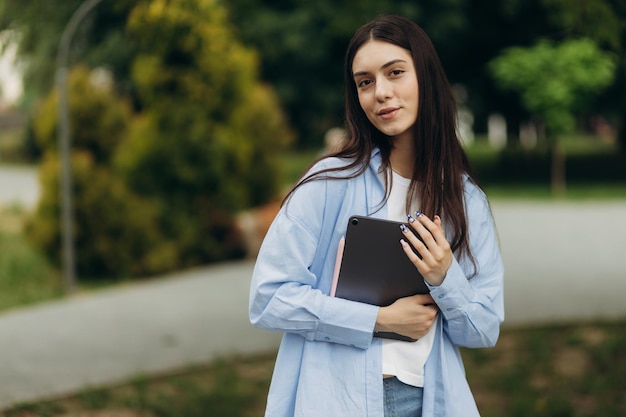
402 400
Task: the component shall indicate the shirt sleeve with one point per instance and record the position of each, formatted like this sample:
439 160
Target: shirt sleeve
473 306
284 294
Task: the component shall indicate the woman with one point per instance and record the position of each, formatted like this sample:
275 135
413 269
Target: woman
401 154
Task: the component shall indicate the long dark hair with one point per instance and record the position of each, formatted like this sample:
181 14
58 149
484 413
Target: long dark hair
440 161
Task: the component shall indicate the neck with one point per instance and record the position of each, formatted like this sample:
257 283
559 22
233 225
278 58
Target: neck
402 158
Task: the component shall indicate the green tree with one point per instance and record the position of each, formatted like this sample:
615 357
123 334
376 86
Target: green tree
555 82
302 46
157 190
113 227
206 142
604 21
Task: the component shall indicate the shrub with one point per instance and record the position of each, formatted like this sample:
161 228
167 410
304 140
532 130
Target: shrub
206 143
159 190
112 227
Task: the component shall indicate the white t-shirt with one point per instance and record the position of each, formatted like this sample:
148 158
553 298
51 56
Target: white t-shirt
405 360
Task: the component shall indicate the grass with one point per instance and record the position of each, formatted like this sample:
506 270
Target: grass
25 275
573 192
580 148
233 387
552 371
547 371
295 163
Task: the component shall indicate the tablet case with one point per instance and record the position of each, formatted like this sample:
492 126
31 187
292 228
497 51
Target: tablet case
371 266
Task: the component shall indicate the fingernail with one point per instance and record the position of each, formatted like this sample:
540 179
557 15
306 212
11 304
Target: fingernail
419 214
403 228
411 219
403 242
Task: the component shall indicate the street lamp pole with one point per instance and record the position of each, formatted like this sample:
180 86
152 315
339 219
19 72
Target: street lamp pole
67 232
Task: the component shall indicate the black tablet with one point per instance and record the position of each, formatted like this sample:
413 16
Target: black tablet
373 268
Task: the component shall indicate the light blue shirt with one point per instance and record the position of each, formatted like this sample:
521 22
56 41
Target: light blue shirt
329 364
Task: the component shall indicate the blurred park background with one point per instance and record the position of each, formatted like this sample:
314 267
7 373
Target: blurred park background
190 118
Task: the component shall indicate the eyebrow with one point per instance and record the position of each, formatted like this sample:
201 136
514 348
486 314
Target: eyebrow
387 65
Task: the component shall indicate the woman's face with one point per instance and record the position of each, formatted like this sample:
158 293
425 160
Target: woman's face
387 87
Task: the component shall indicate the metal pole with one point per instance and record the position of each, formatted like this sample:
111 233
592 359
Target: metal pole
66 218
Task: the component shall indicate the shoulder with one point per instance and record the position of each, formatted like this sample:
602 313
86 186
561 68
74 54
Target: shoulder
345 167
327 174
320 186
333 166
471 190
476 201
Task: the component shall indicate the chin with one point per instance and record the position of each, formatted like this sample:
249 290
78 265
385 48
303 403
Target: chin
394 133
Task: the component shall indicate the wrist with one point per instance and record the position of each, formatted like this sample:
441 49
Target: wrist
381 320
435 282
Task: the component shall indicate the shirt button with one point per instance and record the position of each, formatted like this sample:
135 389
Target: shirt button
440 296
449 309
327 338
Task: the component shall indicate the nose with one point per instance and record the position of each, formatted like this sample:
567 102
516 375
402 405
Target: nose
383 89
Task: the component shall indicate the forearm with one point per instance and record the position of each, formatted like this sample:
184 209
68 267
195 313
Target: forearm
317 317
472 309
410 316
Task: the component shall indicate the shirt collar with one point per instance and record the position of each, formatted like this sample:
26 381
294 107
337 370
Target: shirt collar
376 159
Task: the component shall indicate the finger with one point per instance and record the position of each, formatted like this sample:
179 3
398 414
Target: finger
415 242
423 299
419 226
434 227
439 223
441 238
437 250
415 258
433 261
410 253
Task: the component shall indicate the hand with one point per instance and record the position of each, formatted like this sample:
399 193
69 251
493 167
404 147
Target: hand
409 316
435 254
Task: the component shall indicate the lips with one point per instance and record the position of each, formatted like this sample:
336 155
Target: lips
387 112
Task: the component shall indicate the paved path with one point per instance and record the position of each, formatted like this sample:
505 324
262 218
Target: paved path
564 262
111 335
18 185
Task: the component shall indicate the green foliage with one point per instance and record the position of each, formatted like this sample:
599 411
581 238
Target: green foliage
594 168
113 227
253 138
158 190
302 45
25 274
599 20
114 234
555 80
88 103
604 21
208 129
